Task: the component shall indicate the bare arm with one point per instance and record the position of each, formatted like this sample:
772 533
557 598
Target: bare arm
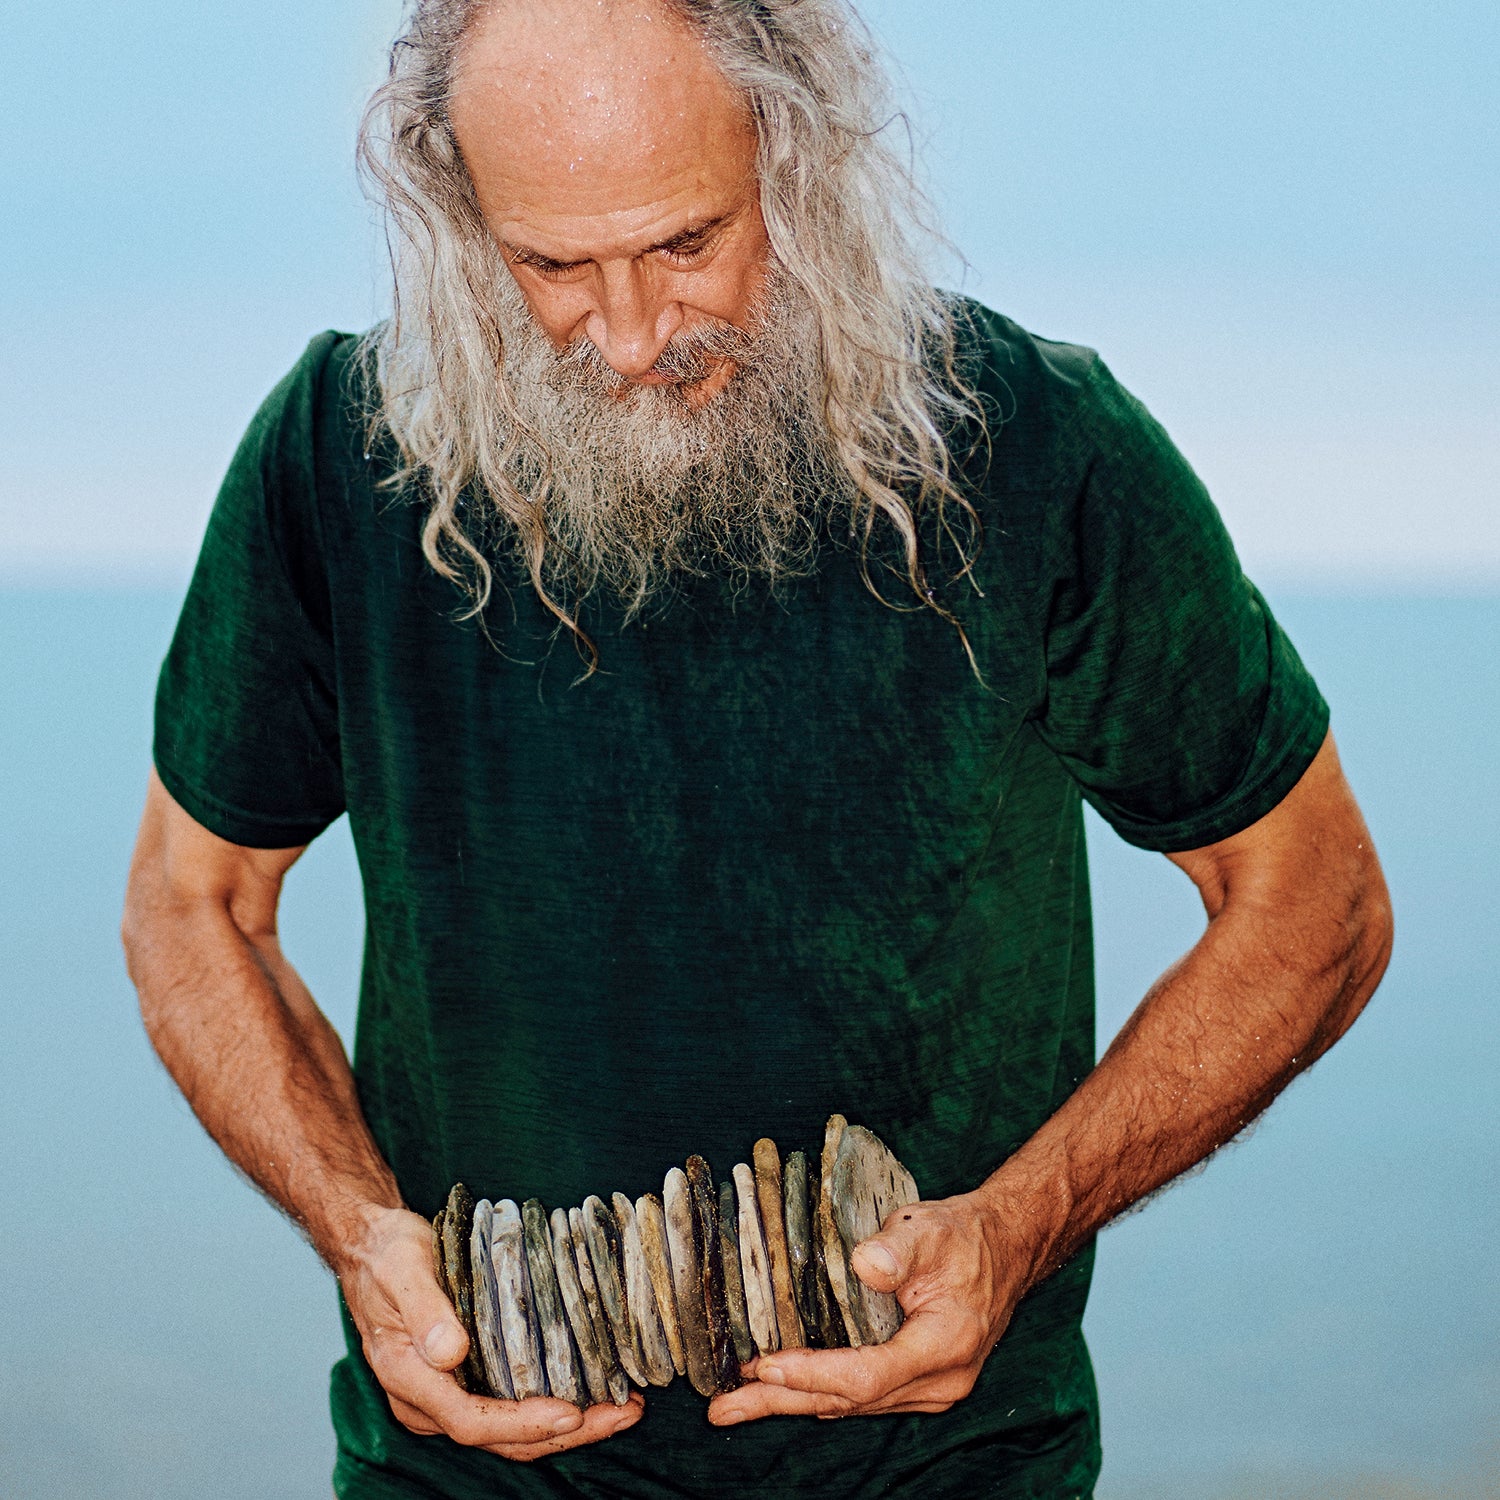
1298 936
267 1075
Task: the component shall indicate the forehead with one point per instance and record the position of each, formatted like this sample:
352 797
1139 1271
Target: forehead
590 106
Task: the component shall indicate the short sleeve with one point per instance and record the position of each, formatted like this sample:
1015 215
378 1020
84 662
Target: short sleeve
1173 697
246 708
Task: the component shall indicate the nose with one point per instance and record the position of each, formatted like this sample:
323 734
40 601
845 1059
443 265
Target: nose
630 324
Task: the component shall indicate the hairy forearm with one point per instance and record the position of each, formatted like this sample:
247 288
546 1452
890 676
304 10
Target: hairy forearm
1260 998
259 1063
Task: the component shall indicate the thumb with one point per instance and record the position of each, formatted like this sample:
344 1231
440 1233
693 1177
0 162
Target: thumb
886 1260
439 1336
430 1319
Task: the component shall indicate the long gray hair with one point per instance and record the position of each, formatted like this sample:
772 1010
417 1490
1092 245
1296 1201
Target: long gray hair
847 222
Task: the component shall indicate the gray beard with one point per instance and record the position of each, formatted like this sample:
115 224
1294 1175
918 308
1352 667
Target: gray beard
637 490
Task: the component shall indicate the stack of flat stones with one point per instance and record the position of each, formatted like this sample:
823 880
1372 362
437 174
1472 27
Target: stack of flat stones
583 1302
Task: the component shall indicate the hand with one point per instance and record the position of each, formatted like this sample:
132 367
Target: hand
412 1338
958 1282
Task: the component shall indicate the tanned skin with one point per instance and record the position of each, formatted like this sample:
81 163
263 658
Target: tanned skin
617 170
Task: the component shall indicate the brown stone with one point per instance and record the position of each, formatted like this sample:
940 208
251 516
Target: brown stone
768 1196
685 1245
640 1296
726 1362
651 1220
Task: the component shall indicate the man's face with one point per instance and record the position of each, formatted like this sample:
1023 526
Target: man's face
615 168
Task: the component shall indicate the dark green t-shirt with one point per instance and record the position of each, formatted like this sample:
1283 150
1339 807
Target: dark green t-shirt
782 856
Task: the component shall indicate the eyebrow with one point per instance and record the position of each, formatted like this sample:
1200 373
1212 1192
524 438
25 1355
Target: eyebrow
685 239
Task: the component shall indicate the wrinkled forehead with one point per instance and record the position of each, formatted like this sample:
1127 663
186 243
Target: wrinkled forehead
546 91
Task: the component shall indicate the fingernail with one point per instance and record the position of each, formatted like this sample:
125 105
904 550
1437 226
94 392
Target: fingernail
771 1374
567 1424
878 1258
442 1343
729 1418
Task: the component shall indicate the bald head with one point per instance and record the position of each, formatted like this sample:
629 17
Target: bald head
615 166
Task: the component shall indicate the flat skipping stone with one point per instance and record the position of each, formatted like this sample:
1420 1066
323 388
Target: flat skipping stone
734 1276
685 1245
519 1329
640 1297
760 1296
835 1256
651 1220
487 1303
602 1236
869 1184
768 1195
458 1223
615 1379
726 1365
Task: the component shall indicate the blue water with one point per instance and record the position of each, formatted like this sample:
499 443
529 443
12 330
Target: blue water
1316 1314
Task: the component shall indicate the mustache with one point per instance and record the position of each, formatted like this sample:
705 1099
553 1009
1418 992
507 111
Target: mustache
687 357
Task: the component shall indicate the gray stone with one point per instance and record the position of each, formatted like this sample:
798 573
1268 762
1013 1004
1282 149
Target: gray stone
868 1185
602 1236
734 1279
835 1254
684 1245
768 1195
755 1265
519 1329
564 1376
640 1297
615 1378
487 1303
579 1323
652 1222
799 1242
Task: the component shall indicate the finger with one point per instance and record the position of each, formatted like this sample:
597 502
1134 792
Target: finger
930 1392
886 1261
599 1423
924 1344
753 1402
423 1307
413 1418
476 1421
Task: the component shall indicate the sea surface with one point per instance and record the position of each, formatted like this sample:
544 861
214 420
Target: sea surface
1316 1314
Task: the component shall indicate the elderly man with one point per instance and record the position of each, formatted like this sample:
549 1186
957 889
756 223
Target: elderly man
710 631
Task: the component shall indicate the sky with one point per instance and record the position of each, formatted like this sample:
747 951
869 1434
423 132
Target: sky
1277 221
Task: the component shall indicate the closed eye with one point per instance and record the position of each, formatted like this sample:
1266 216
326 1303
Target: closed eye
544 265
692 244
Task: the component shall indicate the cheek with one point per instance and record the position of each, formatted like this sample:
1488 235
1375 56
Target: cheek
729 288
558 309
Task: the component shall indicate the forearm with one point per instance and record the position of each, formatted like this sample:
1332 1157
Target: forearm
1260 998
259 1064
